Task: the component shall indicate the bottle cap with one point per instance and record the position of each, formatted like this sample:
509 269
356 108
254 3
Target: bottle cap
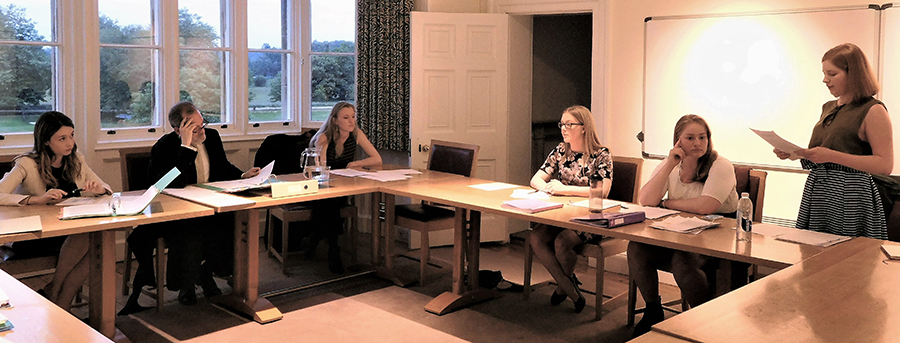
745 195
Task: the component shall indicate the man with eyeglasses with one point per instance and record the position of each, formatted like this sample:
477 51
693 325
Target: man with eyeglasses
196 151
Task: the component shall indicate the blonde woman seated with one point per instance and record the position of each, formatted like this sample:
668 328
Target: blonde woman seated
567 171
697 180
54 170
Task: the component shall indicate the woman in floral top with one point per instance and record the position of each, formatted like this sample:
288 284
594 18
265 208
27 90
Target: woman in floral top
567 171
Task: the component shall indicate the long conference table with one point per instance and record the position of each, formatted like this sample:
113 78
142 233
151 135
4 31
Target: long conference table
797 261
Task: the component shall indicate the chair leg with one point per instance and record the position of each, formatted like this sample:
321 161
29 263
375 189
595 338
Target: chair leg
632 300
284 246
426 254
160 273
601 270
351 237
526 292
126 276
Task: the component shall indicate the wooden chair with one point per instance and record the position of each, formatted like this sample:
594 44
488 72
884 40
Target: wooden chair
750 181
286 150
134 164
625 187
448 157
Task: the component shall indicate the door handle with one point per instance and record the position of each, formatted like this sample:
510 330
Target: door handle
425 148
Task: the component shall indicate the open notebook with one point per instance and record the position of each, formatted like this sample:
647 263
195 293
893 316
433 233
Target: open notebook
128 206
261 180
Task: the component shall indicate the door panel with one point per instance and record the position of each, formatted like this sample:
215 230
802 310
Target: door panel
459 79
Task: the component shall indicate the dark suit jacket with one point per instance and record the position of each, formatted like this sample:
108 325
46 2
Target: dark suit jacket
168 153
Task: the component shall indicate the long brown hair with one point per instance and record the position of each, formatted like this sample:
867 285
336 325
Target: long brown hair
705 162
861 81
44 129
591 142
329 128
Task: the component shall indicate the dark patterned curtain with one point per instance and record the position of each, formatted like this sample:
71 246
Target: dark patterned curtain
383 72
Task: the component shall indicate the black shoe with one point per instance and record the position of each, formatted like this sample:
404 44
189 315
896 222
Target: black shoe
556 298
308 245
581 302
132 307
186 296
653 314
43 293
210 288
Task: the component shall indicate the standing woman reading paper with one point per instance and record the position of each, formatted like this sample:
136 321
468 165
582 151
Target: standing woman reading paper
53 170
337 140
851 144
696 180
567 171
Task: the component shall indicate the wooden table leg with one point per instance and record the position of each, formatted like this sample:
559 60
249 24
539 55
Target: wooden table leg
245 297
466 245
386 225
102 261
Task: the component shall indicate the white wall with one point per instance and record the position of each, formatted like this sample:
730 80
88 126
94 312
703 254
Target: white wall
625 70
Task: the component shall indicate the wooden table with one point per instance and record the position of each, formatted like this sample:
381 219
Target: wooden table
848 293
718 242
38 320
102 254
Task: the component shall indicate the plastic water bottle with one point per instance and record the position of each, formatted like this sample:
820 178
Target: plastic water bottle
744 218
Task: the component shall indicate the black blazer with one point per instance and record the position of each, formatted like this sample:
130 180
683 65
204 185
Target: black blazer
168 153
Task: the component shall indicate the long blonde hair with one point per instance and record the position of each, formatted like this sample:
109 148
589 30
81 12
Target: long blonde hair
583 115
329 128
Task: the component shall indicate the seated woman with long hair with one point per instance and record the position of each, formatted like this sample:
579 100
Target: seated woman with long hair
697 180
567 171
51 171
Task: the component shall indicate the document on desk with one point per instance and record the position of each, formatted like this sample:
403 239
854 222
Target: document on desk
529 194
684 225
779 143
494 186
819 239
531 205
19 225
385 176
654 212
128 206
348 172
208 197
261 180
607 203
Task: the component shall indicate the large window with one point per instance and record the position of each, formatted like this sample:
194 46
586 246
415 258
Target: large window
28 49
203 58
129 64
267 42
332 55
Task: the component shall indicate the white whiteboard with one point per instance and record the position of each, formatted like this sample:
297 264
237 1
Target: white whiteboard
739 71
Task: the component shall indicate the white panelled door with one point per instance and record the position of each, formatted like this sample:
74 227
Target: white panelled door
459 79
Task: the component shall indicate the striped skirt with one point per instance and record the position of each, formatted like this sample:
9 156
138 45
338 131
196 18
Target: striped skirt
841 200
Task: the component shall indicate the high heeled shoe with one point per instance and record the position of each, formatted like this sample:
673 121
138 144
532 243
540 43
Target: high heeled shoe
556 298
581 301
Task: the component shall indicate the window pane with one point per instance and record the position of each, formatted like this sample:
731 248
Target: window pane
26 91
127 87
333 25
333 80
201 82
265 24
266 86
125 22
199 24
28 20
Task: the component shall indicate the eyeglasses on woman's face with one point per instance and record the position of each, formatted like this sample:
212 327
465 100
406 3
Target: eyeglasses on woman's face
568 126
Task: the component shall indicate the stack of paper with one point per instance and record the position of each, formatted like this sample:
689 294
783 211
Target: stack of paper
493 186
390 175
128 206
819 239
531 205
529 194
261 180
18 225
607 203
684 225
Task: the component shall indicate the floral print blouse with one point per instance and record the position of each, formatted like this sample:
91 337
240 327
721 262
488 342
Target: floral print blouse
576 170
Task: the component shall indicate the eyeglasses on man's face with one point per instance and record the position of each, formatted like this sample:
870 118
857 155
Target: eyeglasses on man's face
568 126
